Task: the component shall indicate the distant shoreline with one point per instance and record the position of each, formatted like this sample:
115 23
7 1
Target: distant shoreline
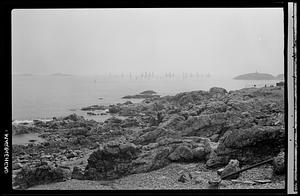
259 76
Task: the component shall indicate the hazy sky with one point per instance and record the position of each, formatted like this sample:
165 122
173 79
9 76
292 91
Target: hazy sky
97 41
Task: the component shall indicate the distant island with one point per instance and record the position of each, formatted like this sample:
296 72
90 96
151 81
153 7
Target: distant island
258 76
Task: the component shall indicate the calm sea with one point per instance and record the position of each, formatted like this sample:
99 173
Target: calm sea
45 97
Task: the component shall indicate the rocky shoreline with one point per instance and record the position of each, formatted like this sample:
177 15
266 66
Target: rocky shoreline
213 128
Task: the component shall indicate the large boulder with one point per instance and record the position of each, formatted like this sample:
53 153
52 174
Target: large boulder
252 136
250 145
73 117
167 150
111 161
215 90
115 160
181 153
41 174
189 149
120 158
77 173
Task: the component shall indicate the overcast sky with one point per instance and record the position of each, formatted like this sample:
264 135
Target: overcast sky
97 41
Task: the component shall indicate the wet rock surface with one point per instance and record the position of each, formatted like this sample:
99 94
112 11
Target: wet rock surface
208 127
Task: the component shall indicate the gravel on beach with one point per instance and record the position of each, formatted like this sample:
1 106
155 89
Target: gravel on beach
167 178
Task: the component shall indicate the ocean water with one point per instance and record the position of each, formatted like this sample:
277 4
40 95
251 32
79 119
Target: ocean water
26 138
45 97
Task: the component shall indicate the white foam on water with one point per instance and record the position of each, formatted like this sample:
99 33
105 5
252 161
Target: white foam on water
16 122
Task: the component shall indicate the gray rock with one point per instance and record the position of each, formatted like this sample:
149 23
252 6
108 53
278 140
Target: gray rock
250 145
214 138
215 161
183 178
17 166
219 171
199 153
279 165
112 161
77 173
215 90
127 103
232 166
181 153
42 174
114 109
73 117
62 173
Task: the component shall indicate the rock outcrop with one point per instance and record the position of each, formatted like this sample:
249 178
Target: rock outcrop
212 127
111 161
249 145
41 174
116 159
